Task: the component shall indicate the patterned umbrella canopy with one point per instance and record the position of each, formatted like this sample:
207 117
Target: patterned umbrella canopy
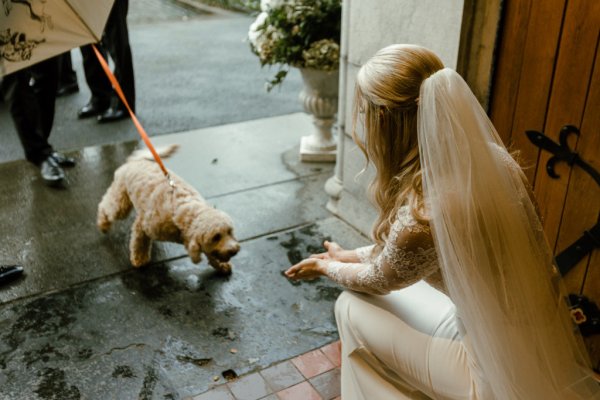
34 30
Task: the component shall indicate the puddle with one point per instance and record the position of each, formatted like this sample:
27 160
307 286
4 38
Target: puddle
224 333
199 362
84 354
123 371
150 379
41 317
303 243
44 354
53 385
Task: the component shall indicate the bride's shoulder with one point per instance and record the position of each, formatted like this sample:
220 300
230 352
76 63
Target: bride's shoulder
405 220
408 233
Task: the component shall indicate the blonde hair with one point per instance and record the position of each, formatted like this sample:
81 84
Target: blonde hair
386 102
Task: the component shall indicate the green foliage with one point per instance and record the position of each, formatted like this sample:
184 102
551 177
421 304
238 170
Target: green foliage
251 5
298 33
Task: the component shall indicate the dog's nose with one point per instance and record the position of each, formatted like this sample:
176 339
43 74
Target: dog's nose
233 251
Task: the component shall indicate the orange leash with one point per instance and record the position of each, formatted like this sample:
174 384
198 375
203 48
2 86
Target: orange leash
137 123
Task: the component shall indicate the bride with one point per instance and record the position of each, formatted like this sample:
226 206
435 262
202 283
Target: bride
458 297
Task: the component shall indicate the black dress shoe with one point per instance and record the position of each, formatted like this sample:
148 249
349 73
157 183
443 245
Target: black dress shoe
63 160
51 172
112 114
10 272
92 108
68 88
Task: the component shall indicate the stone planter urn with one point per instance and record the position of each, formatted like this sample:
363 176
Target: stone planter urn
320 99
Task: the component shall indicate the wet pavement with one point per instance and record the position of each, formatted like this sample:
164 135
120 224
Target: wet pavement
84 324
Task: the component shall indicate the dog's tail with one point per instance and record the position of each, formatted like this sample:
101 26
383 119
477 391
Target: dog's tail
145 154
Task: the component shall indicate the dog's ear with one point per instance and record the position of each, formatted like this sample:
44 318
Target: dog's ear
194 250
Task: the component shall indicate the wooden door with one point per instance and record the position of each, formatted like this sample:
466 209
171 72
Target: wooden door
548 75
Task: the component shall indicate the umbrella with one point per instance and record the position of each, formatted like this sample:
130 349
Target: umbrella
34 30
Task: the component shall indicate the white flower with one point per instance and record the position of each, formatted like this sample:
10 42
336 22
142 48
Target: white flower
254 34
265 5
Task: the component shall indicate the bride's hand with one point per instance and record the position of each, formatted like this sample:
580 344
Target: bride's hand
333 252
308 269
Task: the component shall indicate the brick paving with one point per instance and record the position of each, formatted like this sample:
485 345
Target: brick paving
311 376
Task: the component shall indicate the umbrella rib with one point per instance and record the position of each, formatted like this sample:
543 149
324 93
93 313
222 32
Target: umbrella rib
83 21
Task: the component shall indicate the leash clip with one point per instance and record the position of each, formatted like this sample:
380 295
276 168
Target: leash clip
170 180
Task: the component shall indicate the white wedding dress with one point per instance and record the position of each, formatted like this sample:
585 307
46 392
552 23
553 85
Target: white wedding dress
407 344
410 338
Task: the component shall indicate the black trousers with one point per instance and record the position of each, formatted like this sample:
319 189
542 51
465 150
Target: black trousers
30 94
66 74
115 42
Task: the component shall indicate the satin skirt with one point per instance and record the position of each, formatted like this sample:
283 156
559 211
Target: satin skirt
406 345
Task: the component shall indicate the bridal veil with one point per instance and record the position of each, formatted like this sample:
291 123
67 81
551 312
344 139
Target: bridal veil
494 257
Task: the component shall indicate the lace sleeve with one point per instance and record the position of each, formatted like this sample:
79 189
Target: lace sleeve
364 253
407 257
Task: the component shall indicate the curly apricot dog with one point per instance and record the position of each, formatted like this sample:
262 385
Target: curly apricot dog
175 213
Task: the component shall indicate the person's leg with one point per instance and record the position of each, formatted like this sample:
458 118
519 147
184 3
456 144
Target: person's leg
26 114
116 42
67 78
404 345
97 82
120 51
31 96
43 83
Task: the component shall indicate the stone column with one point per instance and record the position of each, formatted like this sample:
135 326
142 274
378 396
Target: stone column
333 186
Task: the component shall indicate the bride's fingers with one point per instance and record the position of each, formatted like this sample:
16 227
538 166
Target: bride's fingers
320 256
296 269
302 270
295 274
331 246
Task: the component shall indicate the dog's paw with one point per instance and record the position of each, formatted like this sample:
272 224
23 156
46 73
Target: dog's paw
104 228
224 268
139 261
103 223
